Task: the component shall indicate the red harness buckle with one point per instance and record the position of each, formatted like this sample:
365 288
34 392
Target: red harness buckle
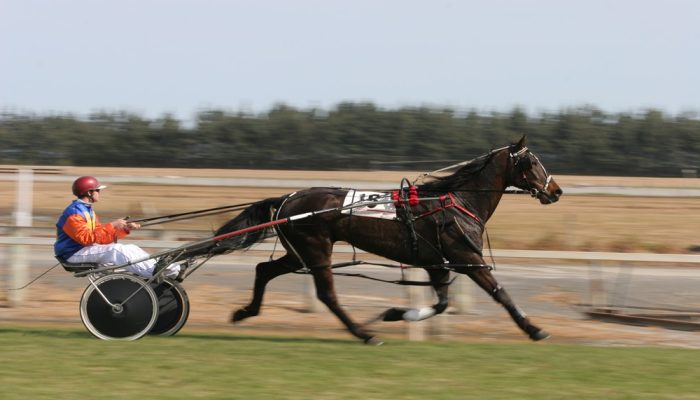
396 199
413 198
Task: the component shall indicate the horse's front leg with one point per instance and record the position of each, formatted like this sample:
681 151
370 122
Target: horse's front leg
484 278
325 291
264 273
439 279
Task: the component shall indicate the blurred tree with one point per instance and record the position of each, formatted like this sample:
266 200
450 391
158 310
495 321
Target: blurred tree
583 140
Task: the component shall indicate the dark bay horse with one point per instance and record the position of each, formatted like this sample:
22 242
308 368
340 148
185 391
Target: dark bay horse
444 230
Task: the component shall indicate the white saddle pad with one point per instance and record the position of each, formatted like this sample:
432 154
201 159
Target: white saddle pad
369 204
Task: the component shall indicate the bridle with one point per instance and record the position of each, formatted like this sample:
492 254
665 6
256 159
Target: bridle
522 162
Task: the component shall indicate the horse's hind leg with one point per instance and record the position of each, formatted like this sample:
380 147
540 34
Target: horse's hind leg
486 281
325 291
439 279
264 273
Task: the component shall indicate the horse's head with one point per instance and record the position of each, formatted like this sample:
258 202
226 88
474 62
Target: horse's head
528 173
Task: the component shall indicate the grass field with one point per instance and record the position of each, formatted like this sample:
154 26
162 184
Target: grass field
69 364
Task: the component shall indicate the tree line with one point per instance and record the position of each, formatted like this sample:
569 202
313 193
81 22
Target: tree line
583 140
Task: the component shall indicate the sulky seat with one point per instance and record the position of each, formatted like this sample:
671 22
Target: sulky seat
77 267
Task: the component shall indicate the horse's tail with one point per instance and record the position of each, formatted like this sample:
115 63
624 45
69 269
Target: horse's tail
258 213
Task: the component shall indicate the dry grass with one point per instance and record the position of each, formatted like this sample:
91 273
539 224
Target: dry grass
581 222
598 223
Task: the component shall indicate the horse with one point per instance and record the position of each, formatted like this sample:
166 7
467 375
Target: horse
440 234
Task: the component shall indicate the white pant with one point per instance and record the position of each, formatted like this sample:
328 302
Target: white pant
119 254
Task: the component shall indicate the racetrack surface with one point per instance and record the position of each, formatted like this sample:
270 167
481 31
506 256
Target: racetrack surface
554 296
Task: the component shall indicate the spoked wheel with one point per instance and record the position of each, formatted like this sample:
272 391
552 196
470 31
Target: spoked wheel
119 307
173 308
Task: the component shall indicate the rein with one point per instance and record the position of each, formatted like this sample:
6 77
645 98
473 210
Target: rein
413 200
405 282
190 215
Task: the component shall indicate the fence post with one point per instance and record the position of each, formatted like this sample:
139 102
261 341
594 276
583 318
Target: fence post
313 304
3 278
416 299
23 219
463 295
598 297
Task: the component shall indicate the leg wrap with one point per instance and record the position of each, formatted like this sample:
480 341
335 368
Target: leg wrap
499 294
410 314
419 314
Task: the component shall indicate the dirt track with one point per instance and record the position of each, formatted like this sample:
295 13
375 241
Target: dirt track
285 314
222 287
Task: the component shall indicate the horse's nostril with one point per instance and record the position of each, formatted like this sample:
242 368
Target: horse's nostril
558 192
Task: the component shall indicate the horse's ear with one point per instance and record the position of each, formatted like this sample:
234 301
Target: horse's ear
521 143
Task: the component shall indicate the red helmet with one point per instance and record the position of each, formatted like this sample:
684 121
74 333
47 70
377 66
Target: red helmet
85 184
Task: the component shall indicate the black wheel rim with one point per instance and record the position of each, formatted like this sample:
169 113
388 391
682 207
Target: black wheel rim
173 308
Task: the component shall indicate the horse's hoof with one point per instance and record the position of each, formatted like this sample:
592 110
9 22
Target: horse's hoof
394 314
239 315
373 341
539 335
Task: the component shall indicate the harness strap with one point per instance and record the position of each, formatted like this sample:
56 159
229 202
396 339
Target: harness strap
397 282
407 194
448 201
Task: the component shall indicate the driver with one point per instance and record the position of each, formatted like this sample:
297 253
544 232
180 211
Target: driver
80 238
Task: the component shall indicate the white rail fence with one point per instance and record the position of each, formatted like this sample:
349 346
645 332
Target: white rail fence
524 254
18 246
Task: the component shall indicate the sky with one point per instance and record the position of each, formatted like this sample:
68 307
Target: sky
180 57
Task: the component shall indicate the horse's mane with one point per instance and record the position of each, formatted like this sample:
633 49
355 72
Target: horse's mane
459 178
